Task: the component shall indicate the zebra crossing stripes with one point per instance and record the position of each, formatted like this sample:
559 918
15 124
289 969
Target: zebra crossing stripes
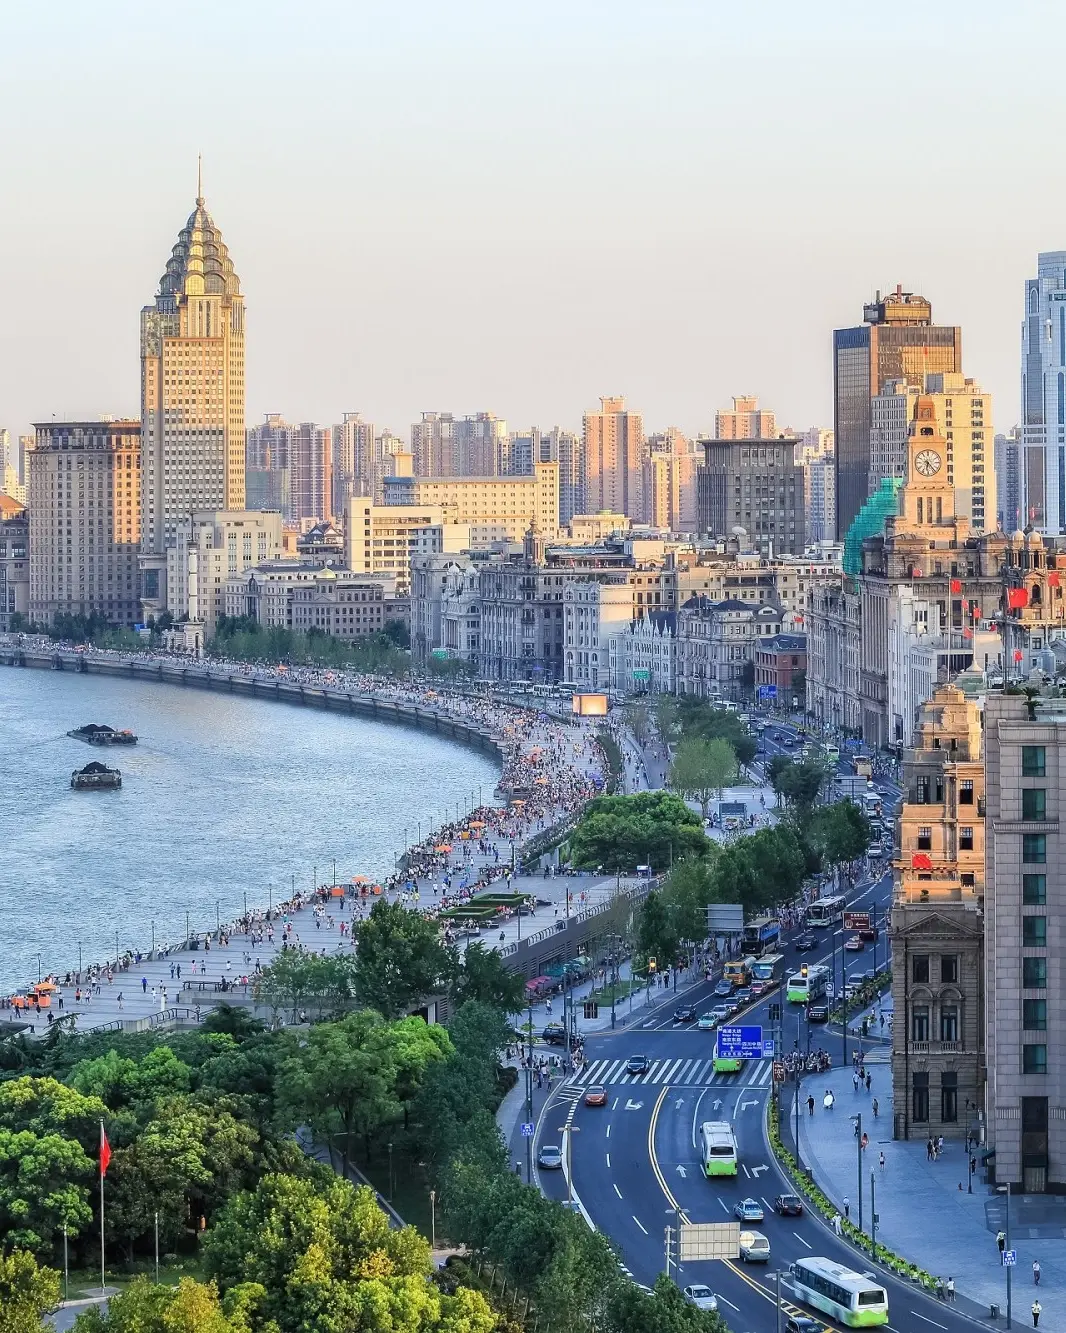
678 1073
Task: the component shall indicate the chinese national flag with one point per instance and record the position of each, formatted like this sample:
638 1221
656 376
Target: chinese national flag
1054 579
956 585
1017 654
1017 598
105 1151
921 861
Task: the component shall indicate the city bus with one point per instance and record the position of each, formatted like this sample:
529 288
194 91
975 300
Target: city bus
725 1064
856 1300
739 970
808 985
760 934
832 753
827 911
769 969
719 1147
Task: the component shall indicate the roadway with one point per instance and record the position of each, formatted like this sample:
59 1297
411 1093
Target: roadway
636 1166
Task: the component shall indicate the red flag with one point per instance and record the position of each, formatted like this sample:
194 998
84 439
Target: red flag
956 585
1017 654
921 861
105 1151
1053 579
1017 598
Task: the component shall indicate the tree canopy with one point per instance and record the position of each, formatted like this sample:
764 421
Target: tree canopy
701 768
797 782
699 720
622 832
399 959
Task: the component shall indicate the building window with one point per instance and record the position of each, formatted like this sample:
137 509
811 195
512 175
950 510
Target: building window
949 968
965 839
949 1097
1034 931
1033 761
1034 803
1034 1058
1034 973
1034 848
949 1022
925 839
1034 890
1034 1015
966 791
920 968
920 1099
920 1023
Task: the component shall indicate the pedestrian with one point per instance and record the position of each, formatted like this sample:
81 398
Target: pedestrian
1036 1314
810 1105
1036 1272
869 1080
144 985
837 1224
929 1150
120 1001
855 1082
1001 1242
881 1161
874 1108
847 1208
951 1288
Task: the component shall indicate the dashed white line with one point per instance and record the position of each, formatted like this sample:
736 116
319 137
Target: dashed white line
608 1161
640 1224
733 1307
608 1134
618 1191
725 1207
924 1320
802 1241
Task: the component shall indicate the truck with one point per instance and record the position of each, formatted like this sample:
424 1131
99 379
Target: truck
849 786
864 767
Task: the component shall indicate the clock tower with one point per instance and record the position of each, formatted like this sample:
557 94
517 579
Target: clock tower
928 498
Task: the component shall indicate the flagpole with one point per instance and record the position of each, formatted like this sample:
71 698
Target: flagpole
103 1140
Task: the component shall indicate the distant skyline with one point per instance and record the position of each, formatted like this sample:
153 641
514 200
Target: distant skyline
484 207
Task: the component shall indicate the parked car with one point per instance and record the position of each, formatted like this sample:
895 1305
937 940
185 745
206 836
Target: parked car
788 1205
749 1210
703 1298
637 1064
550 1157
596 1095
724 988
754 1247
805 943
817 1013
854 944
684 1013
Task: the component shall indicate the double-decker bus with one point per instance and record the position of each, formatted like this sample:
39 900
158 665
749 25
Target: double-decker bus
719 1147
761 934
739 970
807 985
827 911
769 969
725 1064
856 1300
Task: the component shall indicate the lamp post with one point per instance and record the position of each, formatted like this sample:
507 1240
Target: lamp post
858 1150
38 968
433 1219
529 1089
391 1180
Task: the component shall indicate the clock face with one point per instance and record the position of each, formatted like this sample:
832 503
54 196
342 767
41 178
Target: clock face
927 462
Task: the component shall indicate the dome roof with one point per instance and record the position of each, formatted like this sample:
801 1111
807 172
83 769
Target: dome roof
200 264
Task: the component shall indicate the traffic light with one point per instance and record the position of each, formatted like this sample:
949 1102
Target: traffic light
651 964
775 1013
803 970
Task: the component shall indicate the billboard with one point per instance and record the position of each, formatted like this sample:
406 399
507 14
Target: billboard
590 705
725 918
709 1240
856 920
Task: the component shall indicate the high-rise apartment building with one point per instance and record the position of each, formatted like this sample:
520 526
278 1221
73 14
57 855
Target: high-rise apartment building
311 471
85 496
267 476
746 421
669 500
898 340
1044 395
355 460
1010 510
473 446
613 442
820 497
192 393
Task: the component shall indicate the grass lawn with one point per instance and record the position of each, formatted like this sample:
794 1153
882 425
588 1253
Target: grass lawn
85 1282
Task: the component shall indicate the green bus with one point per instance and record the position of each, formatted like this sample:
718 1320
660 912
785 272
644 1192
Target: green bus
719 1148
857 1299
725 1064
807 985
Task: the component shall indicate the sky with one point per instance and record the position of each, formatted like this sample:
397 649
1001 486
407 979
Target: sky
484 206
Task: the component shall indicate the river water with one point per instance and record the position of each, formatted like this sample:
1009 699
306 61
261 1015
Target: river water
222 796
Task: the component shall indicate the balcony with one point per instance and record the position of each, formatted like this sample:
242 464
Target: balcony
934 1047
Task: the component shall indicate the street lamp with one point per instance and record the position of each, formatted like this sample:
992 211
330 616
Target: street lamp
567 1132
391 1180
433 1219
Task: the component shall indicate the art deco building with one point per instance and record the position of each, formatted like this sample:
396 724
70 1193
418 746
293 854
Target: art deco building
192 394
85 487
937 926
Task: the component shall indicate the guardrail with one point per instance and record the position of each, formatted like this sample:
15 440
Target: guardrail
164 1018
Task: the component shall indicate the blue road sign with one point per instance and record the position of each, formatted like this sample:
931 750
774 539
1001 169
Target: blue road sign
527 1129
740 1043
768 1048
1010 1258
767 691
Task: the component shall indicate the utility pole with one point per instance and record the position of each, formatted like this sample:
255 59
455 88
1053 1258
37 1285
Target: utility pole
669 1249
858 1150
529 1096
778 1275
1009 1267
873 1216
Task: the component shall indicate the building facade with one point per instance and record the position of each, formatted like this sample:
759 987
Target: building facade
340 605
613 445
1043 426
937 926
781 667
1007 451
643 656
385 539
496 509
758 486
210 548
14 564
594 611
85 531
192 394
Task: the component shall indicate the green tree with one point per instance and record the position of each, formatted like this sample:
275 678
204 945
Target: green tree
480 974
666 717
633 1310
797 783
657 935
411 1045
650 828
296 981
638 719
840 833
400 959
691 887
701 768
144 1307
698 719
27 1292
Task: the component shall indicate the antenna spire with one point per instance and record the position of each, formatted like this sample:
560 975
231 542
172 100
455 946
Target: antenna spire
200 178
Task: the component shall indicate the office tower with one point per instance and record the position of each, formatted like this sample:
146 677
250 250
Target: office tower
311 471
1043 470
1025 963
897 340
613 442
496 509
820 497
747 421
755 485
1010 510
355 462
192 393
85 497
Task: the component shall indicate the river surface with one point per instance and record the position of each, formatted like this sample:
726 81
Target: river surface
222 796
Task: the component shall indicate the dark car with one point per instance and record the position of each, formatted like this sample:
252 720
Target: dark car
724 988
803 1323
805 943
684 1014
868 933
554 1034
637 1064
742 996
788 1205
817 1013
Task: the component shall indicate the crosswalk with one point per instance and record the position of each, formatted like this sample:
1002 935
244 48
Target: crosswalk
678 1073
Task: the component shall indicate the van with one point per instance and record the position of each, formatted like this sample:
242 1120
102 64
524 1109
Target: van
754 1247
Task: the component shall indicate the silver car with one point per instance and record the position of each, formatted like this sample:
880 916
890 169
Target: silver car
550 1157
703 1298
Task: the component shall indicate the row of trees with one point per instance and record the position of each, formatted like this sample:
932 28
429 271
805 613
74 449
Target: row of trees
245 640
621 832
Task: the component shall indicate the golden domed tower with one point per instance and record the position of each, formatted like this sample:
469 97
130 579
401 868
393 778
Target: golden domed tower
192 394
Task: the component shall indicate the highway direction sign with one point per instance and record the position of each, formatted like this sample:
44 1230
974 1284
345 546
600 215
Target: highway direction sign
740 1043
710 1240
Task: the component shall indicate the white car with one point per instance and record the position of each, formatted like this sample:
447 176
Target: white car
703 1298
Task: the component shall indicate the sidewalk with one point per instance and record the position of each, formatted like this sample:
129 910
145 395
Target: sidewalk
925 1212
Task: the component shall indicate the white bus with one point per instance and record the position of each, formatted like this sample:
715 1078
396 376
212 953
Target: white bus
856 1300
808 985
719 1148
827 911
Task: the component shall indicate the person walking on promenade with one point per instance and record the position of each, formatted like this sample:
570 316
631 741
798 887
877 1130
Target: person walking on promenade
1001 1242
881 1161
1036 1314
847 1209
1036 1272
144 985
810 1105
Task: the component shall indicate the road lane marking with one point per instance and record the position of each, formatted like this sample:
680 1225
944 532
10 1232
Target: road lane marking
725 1207
640 1224
618 1191
802 1241
608 1161
696 1115
924 1320
735 1308
608 1134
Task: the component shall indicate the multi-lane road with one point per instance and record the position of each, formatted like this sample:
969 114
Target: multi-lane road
636 1166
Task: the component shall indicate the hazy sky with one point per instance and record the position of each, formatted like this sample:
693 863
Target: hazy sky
518 207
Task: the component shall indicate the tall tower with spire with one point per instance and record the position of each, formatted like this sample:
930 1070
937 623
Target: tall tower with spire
192 393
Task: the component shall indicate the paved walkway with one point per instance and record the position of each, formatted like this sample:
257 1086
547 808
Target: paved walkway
926 1214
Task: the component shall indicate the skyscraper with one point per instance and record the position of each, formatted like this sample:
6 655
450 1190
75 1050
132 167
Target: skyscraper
1009 481
897 340
192 393
614 458
1044 395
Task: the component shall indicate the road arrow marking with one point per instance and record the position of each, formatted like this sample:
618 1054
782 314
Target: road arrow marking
682 1172
716 1104
744 1105
757 1171
678 1103
632 1105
